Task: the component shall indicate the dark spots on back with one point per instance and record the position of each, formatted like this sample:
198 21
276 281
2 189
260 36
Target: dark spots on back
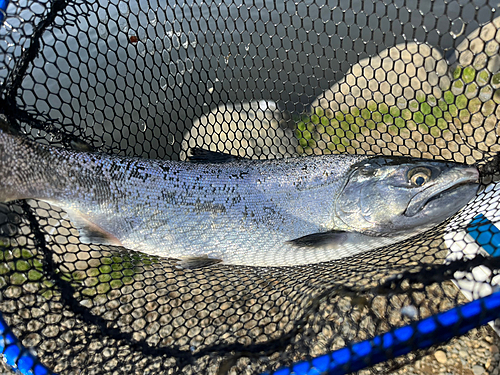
247 213
164 168
139 172
168 196
269 211
215 208
238 176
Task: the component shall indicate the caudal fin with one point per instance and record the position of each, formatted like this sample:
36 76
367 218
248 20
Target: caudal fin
21 167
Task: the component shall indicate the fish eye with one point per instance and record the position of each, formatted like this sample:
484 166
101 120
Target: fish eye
419 176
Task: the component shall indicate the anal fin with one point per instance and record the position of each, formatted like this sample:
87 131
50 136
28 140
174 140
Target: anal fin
328 239
90 232
193 263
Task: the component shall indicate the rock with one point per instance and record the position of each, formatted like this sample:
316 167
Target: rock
371 97
480 48
488 364
440 356
474 72
494 349
257 129
478 370
393 77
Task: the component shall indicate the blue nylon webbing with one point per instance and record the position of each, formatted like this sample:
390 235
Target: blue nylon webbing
434 330
16 355
486 234
3 9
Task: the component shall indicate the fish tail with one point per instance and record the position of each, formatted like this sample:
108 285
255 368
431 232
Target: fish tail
21 168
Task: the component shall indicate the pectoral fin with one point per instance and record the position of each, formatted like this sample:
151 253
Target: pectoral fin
192 263
90 232
328 239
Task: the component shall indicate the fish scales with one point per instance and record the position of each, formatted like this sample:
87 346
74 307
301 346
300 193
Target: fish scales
245 212
226 212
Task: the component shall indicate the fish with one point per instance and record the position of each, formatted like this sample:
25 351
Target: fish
217 208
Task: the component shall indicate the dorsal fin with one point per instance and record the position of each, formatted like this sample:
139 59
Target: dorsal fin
202 156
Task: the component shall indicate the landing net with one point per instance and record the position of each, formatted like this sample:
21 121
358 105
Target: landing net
258 79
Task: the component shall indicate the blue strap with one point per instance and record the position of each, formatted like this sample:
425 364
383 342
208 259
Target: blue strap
3 9
436 329
486 234
17 356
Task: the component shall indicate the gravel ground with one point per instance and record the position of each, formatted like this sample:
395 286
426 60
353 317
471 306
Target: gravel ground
475 353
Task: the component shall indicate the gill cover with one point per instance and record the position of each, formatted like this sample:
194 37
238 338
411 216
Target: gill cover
384 196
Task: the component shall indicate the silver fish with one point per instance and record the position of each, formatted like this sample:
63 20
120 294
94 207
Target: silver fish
218 208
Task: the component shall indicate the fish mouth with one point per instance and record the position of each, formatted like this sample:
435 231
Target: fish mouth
443 193
438 191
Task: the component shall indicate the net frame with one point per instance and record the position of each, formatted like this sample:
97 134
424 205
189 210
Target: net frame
69 140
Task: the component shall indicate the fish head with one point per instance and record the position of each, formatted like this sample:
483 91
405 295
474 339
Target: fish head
385 196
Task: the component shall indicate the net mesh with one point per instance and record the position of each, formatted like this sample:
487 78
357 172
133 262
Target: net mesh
258 79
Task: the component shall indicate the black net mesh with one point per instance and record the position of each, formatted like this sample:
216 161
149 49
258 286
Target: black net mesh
258 79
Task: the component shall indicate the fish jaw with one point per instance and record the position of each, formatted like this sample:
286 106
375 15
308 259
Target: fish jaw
466 185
